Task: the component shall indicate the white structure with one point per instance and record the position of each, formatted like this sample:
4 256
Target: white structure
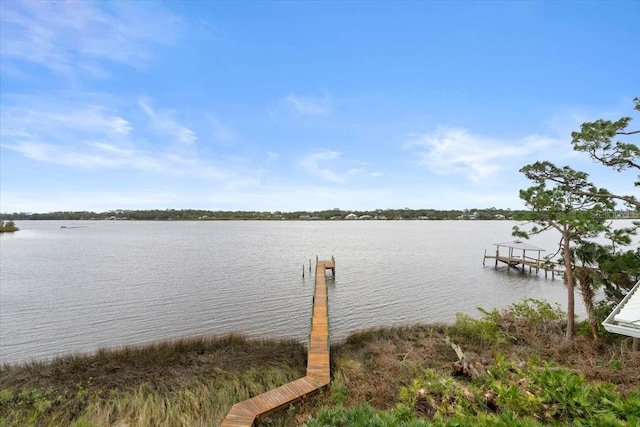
625 318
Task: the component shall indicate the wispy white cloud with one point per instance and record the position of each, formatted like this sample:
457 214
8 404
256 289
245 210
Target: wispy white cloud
87 156
272 157
22 121
308 105
89 137
316 164
96 155
329 165
112 149
220 131
163 122
77 37
303 106
456 151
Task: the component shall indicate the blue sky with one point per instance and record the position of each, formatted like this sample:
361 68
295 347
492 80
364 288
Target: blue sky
303 105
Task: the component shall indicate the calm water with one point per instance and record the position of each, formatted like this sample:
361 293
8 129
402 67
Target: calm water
109 283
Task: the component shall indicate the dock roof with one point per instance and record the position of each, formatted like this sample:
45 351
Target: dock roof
519 244
625 318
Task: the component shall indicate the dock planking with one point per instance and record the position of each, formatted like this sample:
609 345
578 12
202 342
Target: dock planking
522 263
318 363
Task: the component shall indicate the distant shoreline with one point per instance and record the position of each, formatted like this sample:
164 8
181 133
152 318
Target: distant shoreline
324 215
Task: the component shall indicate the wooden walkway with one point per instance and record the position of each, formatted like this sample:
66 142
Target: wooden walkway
318 370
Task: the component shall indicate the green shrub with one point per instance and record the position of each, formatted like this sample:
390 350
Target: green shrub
528 318
483 331
535 312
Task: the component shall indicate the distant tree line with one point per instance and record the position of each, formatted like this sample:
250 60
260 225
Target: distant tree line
203 215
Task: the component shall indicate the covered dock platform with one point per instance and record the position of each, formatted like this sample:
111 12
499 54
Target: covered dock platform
514 255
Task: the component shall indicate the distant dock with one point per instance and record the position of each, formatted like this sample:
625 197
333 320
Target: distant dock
318 375
516 258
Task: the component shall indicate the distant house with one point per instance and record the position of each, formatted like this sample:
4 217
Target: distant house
498 216
472 216
365 217
351 216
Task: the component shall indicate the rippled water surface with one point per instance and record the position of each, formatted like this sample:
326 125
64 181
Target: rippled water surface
109 283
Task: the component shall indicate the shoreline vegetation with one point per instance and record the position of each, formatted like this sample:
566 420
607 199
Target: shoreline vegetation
397 376
8 227
332 214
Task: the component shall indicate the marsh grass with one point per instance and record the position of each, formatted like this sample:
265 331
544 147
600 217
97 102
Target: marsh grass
174 383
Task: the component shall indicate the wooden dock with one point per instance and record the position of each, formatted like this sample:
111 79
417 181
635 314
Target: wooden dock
517 257
318 370
521 264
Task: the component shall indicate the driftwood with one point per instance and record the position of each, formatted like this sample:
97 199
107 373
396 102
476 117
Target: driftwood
469 363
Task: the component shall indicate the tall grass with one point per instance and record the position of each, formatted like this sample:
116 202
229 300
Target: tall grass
175 383
202 403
